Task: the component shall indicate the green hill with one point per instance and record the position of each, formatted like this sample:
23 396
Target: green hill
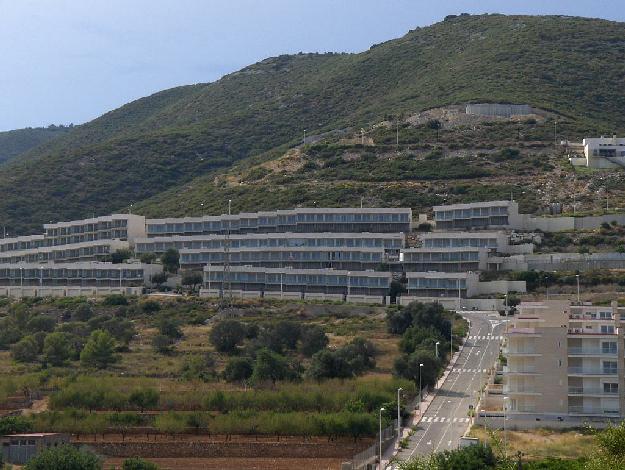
14 143
573 66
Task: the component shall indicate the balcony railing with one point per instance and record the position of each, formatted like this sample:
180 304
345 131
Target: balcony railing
521 331
591 371
519 370
591 391
522 409
587 410
585 316
508 389
585 331
591 351
519 351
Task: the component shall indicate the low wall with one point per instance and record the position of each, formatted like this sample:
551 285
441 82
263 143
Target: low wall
67 291
531 421
366 299
182 449
457 304
499 287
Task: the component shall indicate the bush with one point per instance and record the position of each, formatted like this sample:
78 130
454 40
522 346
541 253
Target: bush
65 457
313 339
144 398
15 425
227 335
238 369
25 350
162 344
198 366
138 464
150 306
57 349
115 299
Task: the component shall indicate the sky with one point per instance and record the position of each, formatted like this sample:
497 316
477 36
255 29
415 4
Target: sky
69 61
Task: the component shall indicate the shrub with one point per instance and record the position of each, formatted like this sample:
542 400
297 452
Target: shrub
150 306
227 335
238 369
57 349
313 339
115 299
15 425
138 464
144 398
64 457
25 350
162 344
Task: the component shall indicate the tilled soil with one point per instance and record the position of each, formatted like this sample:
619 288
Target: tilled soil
236 464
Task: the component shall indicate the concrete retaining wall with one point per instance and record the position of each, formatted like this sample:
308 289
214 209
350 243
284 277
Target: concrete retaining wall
67 291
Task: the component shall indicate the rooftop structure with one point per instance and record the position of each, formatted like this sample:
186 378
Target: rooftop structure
477 215
85 251
116 226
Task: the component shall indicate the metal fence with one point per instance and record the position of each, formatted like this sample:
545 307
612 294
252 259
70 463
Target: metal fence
367 458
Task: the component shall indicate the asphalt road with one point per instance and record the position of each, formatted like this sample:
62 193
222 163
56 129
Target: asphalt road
446 419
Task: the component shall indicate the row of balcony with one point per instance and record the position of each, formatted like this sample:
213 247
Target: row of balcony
570 331
570 370
525 390
573 351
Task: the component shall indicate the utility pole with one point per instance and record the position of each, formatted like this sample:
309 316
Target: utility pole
304 143
397 135
555 134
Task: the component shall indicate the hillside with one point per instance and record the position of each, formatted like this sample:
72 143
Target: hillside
14 143
572 66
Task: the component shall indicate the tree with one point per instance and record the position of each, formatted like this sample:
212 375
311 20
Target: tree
271 366
144 398
407 366
147 258
159 279
398 320
436 125
359 353
15 425
57 349
162 344
167 326
82 313
328 364
171 260
25 350
238 369
610 449
121 255
280 335
417 337
192 280
312 339
227 335
41 323
138 464
64 457
99 352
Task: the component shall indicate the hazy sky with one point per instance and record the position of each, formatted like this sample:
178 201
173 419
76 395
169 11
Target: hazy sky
68 61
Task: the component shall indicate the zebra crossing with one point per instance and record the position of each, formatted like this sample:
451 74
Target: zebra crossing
443 419
478 338
470 371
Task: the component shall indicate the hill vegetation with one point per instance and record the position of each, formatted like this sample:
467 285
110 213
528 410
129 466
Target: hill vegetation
573 67
14 143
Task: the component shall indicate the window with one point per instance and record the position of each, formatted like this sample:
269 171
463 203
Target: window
611 388
607 329
608 347
609 367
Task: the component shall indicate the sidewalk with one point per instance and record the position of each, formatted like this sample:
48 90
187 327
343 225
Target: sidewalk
392 451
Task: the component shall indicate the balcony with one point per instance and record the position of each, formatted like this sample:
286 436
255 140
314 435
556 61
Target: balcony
591 371
587 410
520 352
519 370
514 390
522 331
591 352
592 391
591 332
585 316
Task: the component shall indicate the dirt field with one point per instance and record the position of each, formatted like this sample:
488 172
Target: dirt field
237 464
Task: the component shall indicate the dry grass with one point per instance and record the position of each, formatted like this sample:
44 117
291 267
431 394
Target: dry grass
538 444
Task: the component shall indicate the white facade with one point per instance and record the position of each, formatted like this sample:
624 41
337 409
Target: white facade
602 152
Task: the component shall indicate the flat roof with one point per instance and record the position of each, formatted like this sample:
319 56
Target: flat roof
472 205
266 236
93 220
303 210
287 270
462 234
35 434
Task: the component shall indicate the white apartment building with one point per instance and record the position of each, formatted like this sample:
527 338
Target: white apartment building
565 362
477 215
116 226
493 241
602 152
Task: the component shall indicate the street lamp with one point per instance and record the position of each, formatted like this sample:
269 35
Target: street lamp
381 410
437 343
398 414
505 436
577 276
420 387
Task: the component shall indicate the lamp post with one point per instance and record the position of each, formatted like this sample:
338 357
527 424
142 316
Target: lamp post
437 343
420 387
577 277
348 284
398 413
381 410
505 435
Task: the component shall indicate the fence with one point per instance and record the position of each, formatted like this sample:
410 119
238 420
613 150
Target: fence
366 459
